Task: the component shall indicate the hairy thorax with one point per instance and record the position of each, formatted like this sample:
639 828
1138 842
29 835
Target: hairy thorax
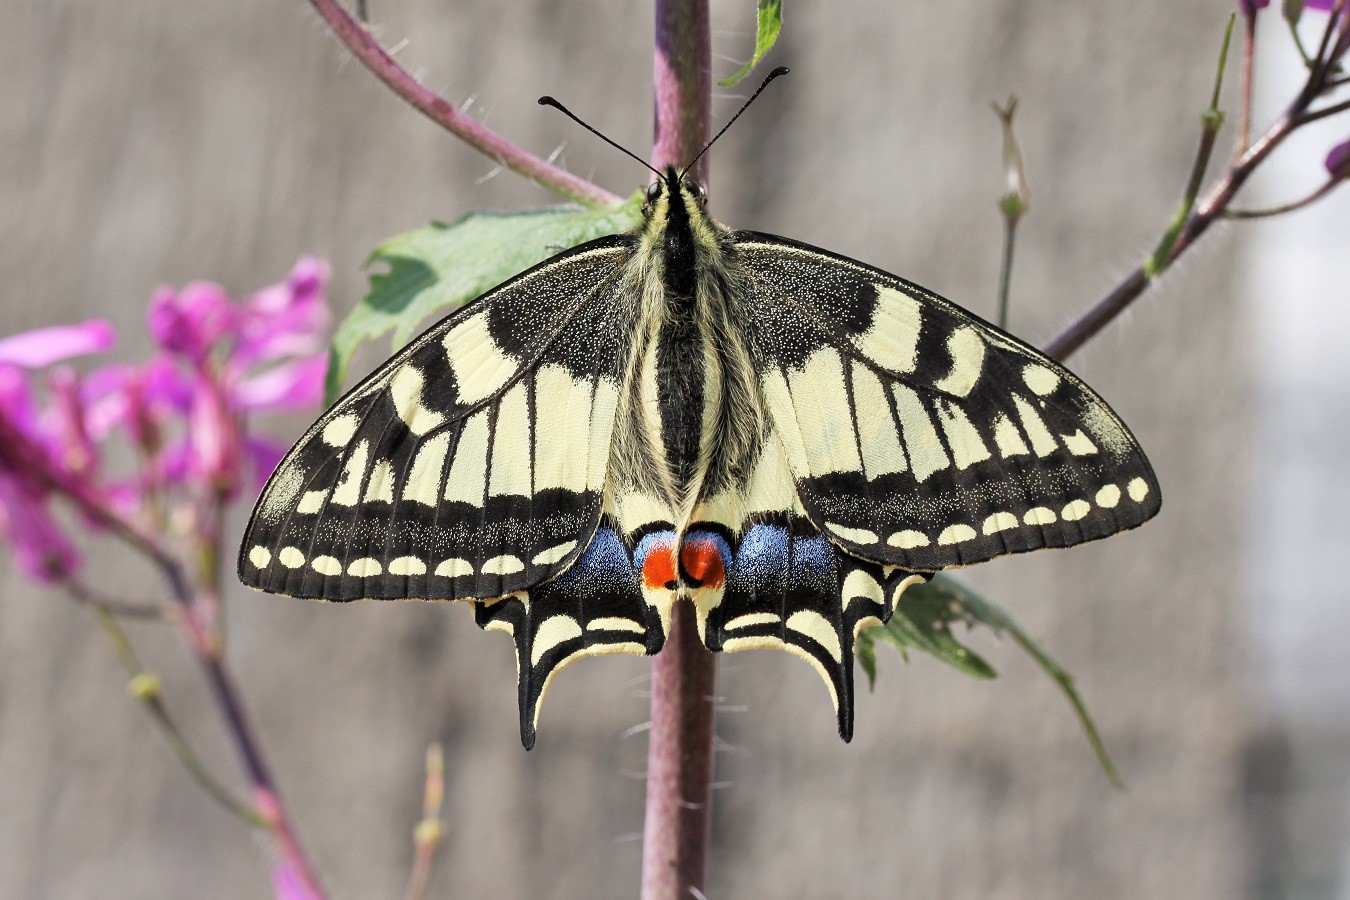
690 420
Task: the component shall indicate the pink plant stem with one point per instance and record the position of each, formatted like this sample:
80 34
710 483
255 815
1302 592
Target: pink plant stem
19 453
364 47
679 754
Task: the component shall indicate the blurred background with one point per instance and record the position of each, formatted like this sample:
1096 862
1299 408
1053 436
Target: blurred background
150 142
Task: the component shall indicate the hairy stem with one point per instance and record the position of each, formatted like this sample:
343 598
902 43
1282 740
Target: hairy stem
679 755
1138 281
362 44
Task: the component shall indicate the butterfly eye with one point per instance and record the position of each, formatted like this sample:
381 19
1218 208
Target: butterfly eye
653 192
697 191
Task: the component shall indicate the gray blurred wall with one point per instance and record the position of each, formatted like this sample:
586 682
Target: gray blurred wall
156 142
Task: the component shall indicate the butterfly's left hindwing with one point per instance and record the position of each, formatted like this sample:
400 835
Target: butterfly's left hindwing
469 466
919 435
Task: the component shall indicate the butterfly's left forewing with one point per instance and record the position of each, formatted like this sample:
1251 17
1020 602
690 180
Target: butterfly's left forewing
469 466
919 435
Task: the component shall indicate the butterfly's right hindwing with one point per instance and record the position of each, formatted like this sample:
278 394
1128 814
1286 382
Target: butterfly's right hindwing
471 465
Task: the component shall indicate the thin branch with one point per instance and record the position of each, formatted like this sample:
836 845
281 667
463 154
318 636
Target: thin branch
1134 284
1248 62
1013 204
145 687
1216 203
1322 63
364 47
87 596
1314 115
431 829
1210 123
1292 206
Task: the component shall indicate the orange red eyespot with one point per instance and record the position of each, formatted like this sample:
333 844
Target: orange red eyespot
702 559
658 567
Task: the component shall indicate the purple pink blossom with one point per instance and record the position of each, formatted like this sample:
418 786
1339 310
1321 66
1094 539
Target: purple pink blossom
185 413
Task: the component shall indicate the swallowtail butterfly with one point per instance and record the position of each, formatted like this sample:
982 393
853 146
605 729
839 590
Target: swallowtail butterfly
781 436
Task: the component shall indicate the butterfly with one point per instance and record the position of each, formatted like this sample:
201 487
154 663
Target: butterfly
784 437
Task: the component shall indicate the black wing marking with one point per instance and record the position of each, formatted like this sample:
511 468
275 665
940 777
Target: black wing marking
469 466
920 435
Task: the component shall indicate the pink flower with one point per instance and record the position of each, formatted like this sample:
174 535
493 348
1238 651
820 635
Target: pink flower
225 360
42 551
185 413
215 437
44 346
192 321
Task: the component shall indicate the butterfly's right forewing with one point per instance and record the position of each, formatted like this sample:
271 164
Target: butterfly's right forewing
919 435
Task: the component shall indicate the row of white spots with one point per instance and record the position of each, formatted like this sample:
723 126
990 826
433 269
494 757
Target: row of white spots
908 539
369 567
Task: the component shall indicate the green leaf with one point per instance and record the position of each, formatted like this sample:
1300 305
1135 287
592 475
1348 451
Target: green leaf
436 269
768 22
924 622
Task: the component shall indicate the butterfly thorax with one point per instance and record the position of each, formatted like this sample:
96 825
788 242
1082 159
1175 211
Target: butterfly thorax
689 424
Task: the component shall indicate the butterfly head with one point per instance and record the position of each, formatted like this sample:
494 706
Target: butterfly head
674 188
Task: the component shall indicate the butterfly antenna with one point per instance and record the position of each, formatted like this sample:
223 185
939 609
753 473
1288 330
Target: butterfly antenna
781 70
549 101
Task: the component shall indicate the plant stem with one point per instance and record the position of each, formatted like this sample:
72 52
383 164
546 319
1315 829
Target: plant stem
679 755
145 688
1134 284
1014 202
429 831
364 47
1316 114
1189 222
